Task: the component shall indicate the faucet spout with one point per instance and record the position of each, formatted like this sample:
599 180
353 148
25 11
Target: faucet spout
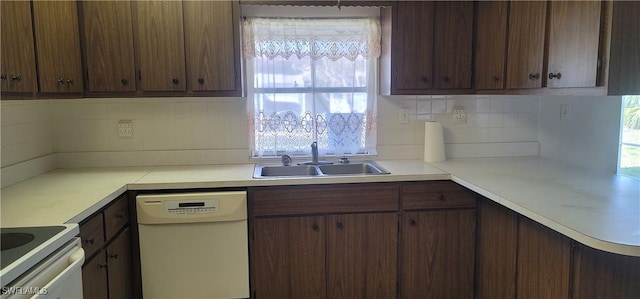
314 152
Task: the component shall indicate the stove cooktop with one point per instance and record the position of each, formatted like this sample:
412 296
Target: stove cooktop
18 241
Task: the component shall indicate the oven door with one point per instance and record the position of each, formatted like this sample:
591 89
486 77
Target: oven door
58 276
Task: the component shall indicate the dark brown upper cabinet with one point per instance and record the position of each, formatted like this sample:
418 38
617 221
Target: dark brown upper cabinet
430 47
490 44
108 46
574 34
212 54
525 46
551 44
18 54
624 68
159 35
57 40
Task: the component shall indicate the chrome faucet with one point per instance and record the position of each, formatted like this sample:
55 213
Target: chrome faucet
314 152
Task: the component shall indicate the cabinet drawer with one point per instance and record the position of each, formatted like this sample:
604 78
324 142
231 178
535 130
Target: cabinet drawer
92 234
436 195
316 199
116 216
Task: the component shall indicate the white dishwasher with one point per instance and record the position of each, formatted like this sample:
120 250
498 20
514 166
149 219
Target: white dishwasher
194 245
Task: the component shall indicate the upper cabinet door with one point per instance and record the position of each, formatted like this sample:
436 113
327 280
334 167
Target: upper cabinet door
160 45
412 46
452 44
574 32
525 51
18 55
210 46
490 44
624 68
58 46
108 38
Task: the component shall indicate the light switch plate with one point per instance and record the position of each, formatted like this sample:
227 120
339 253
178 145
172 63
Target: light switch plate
403 116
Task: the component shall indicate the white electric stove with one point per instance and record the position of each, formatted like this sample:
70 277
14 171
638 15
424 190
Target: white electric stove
41 261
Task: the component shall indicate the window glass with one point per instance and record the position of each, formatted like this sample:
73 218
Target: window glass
630 136
311 85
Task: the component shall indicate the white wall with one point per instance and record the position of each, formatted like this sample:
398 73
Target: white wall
589 137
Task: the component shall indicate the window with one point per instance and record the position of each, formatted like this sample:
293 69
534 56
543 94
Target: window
630 136
311 80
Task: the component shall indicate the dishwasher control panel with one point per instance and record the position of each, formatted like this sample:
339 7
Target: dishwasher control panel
191 207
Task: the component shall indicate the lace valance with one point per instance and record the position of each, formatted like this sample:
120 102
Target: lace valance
315 38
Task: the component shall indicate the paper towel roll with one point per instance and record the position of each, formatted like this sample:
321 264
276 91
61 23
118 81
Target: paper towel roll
433 142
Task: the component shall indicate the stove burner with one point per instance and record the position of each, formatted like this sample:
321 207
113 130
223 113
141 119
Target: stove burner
13 240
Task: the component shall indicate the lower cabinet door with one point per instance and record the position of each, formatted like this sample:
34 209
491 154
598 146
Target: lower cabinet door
94 277
544 262
437 254
362 251
288 257
119 261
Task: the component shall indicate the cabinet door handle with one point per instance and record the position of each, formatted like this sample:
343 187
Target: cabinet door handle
3 77
90 241
446 79
124 81
175 81
114 256
339 225
557 75
17 78
413 222
496 78
201 80
425 79
103 265
441 197
61 81
69 82
534 77
119 216
315 226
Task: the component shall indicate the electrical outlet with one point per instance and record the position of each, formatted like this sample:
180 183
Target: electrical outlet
403 117
125 128
459 115
564 112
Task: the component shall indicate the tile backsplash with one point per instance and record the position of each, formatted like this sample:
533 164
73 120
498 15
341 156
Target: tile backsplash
171 131
495 125
40 135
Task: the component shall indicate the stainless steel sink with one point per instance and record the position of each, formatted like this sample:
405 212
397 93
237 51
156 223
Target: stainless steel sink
299 170
354 168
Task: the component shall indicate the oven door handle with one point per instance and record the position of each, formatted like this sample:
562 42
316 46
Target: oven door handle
60 282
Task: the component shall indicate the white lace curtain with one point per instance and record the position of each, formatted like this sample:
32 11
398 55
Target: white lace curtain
314 38
311 80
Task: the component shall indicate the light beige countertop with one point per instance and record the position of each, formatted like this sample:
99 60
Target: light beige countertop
601 211
598 210
64 195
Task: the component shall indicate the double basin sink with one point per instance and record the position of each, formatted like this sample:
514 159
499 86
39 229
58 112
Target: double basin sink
354 168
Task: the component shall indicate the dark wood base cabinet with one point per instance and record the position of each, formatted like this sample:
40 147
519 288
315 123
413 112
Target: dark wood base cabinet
106 239
520 258
355 241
